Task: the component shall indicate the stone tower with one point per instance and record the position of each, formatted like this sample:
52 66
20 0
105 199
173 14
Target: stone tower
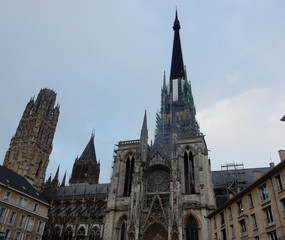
163 191
86 169
30 147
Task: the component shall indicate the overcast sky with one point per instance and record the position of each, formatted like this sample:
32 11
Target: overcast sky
105 59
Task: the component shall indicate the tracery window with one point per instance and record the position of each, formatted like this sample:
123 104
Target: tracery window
56 234
95 234
68 234
189 173
158 181
81 234
129 175
192 229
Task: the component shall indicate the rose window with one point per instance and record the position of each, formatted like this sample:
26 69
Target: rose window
158 181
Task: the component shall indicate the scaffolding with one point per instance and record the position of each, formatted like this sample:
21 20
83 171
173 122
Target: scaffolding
234 179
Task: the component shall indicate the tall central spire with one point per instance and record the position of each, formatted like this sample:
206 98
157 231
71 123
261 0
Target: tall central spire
177 66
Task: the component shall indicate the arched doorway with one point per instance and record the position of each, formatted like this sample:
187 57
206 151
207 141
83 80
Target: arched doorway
155 232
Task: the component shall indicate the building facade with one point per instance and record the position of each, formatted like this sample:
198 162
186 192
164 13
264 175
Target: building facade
158 191
30 147
23 211
257 212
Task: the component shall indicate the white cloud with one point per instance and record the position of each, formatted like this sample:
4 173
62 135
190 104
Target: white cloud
245 128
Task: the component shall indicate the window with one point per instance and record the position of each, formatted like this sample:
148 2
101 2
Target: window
283 204
224 235
21 221
40 226
230 213
191 229
28 237
2 214
189 173
253 220
279 182
17 236
268 216
272 235
215 222
243 231
7 233
250 201
222 218
20 200
264 194
256 238
240 208
31 224
232 231
12 218
7 195
95 234
129 176
68 234
36 206
81 234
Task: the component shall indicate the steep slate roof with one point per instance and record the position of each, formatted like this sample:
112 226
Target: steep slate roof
89 151
16 181
78 191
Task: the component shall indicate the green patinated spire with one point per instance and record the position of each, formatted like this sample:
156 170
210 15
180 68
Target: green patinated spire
163 93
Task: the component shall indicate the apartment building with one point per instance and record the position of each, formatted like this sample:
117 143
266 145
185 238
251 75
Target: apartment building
23 211
257 212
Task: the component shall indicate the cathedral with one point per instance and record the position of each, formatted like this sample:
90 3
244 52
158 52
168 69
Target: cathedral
161 190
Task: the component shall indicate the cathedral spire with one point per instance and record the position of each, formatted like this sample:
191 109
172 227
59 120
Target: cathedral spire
86 169
177 66
89 151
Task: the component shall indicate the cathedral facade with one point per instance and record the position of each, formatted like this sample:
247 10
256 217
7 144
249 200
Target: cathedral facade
161 190
158 191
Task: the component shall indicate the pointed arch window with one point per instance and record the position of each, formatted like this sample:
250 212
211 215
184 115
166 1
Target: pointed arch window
68 234
192 229
129 175
81 234
189 173
95 234
56 234
123 231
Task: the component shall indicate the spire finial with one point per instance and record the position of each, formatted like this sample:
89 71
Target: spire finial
176 24
93 133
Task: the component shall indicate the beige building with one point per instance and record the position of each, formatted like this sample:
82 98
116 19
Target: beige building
258 212
23 211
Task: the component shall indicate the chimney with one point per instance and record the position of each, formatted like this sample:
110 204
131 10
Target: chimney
281 155
256 175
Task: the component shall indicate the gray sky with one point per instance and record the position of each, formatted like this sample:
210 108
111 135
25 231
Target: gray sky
105 59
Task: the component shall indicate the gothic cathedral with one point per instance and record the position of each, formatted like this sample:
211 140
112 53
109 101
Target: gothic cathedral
157 192
163 191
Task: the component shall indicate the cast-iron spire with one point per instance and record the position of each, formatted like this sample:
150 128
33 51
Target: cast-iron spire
177 66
